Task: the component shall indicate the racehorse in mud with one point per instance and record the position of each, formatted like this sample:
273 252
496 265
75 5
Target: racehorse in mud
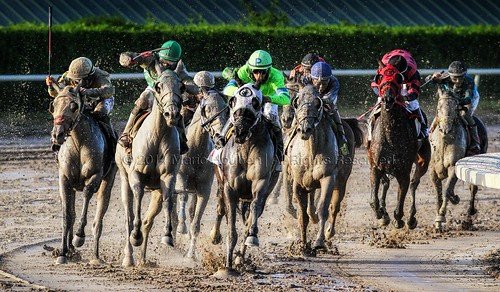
354 135
86 164
247 173
152 163
393 150
313 159
449 141
196 174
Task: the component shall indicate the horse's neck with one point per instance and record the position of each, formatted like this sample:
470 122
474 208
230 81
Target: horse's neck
395 120
322 135
196 135
82 134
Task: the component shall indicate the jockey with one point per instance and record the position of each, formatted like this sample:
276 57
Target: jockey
168 57
95 84
461 85
407 66
269 80
328 87
301 73
206 82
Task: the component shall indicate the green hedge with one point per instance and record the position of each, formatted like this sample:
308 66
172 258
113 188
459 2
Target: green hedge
213 47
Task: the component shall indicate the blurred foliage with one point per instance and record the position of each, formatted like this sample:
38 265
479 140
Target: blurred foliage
213 47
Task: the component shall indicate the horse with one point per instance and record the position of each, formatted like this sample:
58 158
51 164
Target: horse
247 173
393 150
196 174
153 163
85 164
313 156
449 144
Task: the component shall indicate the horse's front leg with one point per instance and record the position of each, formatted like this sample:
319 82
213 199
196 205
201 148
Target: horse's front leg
449 186
259 190
375 176
300 195
327 185
67 195
167 189
201 205
137 187
103 197
335 204
220 210
440 203
88 191
472 209
404 184
311 206
153 210
128 206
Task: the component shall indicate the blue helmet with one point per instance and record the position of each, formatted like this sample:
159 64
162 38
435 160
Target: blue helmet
321 70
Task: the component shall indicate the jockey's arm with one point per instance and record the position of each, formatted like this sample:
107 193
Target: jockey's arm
103 90
281 96
129 59
186 80
413 87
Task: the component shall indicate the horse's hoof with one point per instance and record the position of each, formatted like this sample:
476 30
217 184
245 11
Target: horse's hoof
78 241
398 223
224 273
319 244
215 236
472 211
61 260
252 241
438 226
412 223
440 218
128 263
454 199
167 240
238 260
384 221
136 239
182 228
330 232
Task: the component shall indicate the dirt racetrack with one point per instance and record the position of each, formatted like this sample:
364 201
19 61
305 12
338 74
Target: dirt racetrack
362 256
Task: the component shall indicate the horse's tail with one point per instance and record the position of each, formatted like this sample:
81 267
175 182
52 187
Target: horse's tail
356 129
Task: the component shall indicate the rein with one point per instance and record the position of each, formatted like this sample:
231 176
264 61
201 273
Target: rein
162 106
211 119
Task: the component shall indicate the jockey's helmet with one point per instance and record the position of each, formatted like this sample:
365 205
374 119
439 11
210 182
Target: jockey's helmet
260 60
80 68
457 69
321 71
172 51
399 62
309 60
204 79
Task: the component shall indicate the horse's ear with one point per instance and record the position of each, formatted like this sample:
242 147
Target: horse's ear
380 64
73 106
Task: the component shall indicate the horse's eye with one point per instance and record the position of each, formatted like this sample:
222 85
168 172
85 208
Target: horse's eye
73 106
232 102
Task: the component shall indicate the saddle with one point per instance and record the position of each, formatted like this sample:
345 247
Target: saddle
139 120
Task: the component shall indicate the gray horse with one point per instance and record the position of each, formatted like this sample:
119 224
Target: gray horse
449 144
313 156
153 164
85 164
247 173
196 174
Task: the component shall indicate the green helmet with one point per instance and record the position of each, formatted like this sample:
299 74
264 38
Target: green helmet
172 51
260 60
80 67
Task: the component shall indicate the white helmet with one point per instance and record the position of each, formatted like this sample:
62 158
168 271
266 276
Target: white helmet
204 79
80 68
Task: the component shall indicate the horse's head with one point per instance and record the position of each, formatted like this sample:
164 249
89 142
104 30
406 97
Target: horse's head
66 110
447 111
214 114
246 111
308 110
389 80
168 97
287 116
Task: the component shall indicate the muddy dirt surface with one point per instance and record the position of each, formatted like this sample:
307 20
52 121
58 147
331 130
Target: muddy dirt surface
361 257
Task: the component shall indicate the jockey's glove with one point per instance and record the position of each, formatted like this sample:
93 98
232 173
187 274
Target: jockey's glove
265 99
343 149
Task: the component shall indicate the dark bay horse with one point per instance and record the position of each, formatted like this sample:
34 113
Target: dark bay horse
85 164
196 173
449 144
313 156
247 172
153 164
393 150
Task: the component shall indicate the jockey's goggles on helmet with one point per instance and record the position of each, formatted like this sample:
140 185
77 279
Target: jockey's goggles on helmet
260 71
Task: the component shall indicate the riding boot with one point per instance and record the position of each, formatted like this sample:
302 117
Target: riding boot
423 126
339 128
125 140
110 134
278 137
474 141
182 136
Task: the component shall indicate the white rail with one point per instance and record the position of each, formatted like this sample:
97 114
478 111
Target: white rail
353 72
